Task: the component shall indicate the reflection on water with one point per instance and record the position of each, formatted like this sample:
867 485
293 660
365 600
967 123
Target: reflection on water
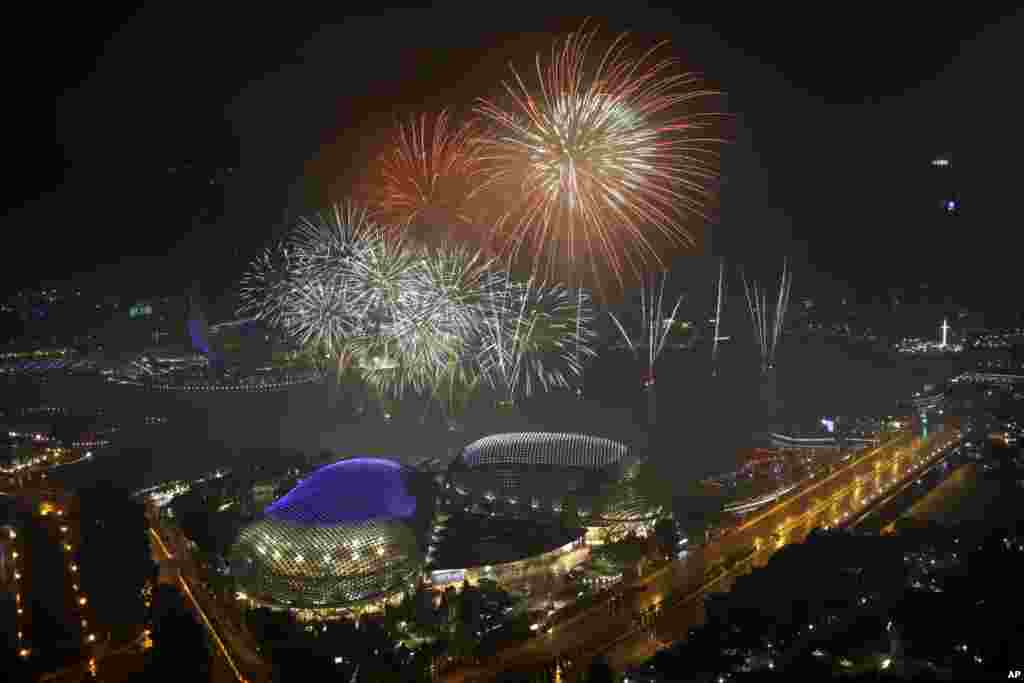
702 420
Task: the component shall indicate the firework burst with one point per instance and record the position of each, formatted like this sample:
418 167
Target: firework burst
536 335
432 317
403 317
425 180
265 288
326 244
609 160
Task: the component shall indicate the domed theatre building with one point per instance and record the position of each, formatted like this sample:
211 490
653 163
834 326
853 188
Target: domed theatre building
343 539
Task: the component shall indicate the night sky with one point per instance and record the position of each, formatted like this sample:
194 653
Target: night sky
836 117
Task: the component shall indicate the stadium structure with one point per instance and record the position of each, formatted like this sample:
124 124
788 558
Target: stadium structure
535 474
345 538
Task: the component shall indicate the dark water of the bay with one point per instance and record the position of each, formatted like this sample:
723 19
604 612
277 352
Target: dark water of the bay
702 420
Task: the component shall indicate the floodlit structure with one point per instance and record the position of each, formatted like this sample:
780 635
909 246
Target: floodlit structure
342 538
533 474
913 346
544 449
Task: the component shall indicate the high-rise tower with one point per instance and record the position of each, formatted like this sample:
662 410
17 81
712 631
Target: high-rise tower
944 185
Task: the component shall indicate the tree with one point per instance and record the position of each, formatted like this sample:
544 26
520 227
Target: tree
666 536
463 641
470 603
699 508
115 557
600 671
180 649
653 486
625 554
23 453
54 631
449 605
569 515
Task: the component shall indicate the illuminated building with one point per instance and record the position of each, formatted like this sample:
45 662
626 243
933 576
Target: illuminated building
537 469
931 398
508 571
232 356
996 378
913 346
532 474
140 309
342 538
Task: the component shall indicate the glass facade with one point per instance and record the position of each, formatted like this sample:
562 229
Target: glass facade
542 448
535 471
340 538
325 566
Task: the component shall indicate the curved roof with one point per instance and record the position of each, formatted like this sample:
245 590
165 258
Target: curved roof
544 448
348 491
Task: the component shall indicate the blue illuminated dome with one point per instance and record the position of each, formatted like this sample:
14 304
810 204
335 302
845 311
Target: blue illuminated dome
342 537
348 491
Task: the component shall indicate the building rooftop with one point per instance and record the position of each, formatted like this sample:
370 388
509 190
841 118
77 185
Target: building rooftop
544 448
354 490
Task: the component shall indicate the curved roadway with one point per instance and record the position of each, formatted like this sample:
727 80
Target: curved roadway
666 603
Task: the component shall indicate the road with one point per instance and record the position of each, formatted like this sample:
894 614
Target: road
632 632
939 500
963 497
112 661
110 665
235 659
838 502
